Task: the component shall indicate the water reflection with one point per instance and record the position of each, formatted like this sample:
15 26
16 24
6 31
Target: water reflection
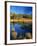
20 30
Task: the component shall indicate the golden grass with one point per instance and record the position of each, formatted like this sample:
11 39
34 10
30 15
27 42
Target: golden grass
21 20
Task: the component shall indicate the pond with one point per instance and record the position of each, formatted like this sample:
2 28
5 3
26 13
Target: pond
20 28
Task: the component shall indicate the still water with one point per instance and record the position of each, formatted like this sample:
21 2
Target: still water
21 28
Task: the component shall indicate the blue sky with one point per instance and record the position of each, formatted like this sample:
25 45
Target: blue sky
21 9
